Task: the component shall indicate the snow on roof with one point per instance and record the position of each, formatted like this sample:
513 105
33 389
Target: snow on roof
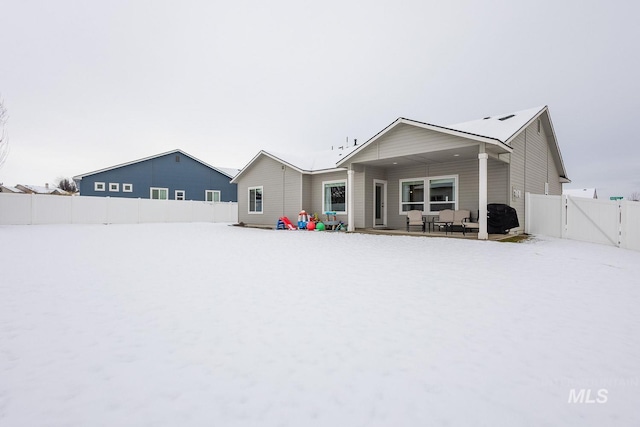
501 126
581 192
10 189
315 161
231 172
39 189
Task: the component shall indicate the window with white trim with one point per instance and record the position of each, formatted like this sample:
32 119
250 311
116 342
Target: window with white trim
411 194
443 193
114 186
179 195
255 200
157 193
431 194
127 188
334 196
212 195
99 186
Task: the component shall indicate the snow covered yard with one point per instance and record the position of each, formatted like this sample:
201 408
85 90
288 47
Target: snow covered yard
208 324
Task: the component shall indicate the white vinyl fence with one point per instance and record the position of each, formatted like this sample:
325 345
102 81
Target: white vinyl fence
608 222
16 209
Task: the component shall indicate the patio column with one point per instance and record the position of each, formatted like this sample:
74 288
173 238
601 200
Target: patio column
350 204
482 193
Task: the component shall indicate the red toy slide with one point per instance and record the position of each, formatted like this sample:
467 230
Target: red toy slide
287 223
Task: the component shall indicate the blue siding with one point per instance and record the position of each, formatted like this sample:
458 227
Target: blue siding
165 172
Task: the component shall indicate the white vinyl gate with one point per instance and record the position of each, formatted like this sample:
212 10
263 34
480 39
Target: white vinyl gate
615 223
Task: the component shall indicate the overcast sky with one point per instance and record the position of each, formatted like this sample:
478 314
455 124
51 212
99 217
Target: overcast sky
93 84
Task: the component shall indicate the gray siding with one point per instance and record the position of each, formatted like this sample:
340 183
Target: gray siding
276 182
306 192
555 186
532 165
364 213
405 140
467 172
316 202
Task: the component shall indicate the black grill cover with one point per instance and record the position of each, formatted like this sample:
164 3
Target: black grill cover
501 218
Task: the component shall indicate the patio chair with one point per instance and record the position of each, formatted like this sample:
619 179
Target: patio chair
415 218
469 225
445 219
459 217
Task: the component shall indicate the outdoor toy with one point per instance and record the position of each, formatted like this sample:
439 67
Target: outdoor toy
332 220
287 223
311 226
320 226
303 219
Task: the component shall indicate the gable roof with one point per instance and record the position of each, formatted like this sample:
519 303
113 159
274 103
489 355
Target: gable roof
8 189
225 171
499 130
309 163
40 189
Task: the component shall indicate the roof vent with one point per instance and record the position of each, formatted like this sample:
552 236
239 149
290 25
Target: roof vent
506 117
486 118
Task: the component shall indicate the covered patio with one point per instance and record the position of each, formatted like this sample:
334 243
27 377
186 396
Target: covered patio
417 166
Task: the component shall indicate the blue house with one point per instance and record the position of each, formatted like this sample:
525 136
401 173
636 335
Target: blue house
174 175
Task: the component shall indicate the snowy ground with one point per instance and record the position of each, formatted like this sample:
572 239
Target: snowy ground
208 324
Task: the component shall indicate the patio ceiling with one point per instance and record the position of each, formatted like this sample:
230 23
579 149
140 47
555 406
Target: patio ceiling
428 158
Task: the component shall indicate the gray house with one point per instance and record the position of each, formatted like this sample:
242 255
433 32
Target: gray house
411 165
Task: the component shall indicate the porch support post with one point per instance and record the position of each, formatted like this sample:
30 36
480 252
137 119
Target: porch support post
482 193
350 203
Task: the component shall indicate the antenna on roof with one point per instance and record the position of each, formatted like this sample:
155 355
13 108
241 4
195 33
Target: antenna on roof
355 142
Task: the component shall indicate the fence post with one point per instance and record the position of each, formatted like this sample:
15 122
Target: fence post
33 208
527 212
565 206
620 229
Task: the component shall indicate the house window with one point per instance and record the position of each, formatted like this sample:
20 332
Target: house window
212 195
411 194
127 188
443 193
334 196
255 200
179 195
159 193
114 186
99 186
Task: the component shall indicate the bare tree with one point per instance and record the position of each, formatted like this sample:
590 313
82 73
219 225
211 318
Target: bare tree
635 196
4 139
68 185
